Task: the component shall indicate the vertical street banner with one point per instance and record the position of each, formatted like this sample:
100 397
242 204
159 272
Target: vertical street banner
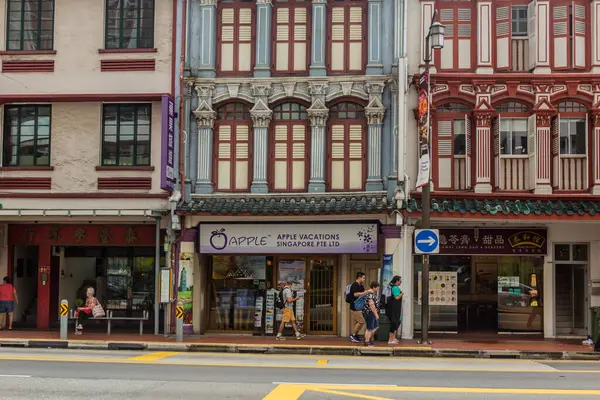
424 173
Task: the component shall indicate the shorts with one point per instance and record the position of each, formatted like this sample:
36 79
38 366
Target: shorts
371 321
288 315
7 306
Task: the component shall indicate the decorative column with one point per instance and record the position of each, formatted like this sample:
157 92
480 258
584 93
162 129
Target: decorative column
318 42
540 152
208 33
375 61
595 153
264 14
317 114
484 33
261 118
374 113
483 153
205 119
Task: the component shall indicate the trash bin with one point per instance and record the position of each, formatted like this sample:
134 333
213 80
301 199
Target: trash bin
382 334
595 324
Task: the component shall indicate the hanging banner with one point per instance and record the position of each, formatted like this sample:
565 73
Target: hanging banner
185 286
424 170
288 238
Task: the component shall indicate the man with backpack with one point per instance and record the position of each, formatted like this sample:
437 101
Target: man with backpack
353 292
285 302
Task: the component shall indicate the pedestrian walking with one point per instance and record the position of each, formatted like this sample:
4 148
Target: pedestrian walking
393 308
8 299
371 313
286 302
357 321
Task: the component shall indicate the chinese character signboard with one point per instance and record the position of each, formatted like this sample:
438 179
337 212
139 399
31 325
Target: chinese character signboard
493 241
167 173
423 175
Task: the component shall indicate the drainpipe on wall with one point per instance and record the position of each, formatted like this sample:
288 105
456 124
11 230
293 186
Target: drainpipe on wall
182 117
157 279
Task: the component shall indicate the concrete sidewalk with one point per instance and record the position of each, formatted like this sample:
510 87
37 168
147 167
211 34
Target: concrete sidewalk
525 348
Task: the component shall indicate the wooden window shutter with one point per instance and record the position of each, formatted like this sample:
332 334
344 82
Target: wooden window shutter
300 39
464 39
242 157
532 24
579 36
338 153
227 40
532 150
503 38
560 39
497 162
224 168
356 39
447 18
555 137
280 156
468 154
245 40
282 38
299 157
444 157
338 35
356 157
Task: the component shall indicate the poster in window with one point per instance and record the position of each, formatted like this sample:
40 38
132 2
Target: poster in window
185 285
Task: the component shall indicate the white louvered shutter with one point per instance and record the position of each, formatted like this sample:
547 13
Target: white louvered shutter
445 161
280 157
468 152
464 38
245 40
532 24
338 35
532 150
291 38
498 172
356 157
242 157
556 164
227 39
224 157
579 36
560 39
447 18
299 157
503 38
338 155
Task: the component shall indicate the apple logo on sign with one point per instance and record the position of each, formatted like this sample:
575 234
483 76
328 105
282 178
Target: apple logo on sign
218 239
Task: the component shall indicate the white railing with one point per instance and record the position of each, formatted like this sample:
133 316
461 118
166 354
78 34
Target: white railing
514 173
573 170
460 173
520 54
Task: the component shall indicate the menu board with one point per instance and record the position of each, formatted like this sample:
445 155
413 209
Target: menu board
443 288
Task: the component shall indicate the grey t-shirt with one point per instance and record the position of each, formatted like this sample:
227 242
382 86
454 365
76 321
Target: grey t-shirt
287 295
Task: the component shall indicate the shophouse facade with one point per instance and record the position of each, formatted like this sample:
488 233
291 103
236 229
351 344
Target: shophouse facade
86 91
291 160
515 166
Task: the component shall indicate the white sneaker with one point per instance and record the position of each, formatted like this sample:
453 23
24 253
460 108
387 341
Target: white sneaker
394 342
300 335
279 337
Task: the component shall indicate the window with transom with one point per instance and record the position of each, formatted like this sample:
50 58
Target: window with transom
291 36
129 24
30 24
572 128
289 148
347 36
26 135
233 148
235 37
346 155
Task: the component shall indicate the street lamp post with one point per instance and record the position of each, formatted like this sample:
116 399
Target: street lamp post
434 40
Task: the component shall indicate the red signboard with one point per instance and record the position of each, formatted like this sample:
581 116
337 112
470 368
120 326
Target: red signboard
82 235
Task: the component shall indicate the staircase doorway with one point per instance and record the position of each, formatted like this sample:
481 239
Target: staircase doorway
25 278
572 273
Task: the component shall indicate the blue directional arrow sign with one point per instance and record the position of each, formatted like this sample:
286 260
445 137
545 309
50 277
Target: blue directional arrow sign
427 241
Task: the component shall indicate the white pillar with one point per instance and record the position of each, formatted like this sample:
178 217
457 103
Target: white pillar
406 271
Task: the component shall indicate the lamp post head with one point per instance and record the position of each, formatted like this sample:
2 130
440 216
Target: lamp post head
436 32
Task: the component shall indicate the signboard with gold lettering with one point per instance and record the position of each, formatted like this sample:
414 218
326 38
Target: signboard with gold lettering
494 241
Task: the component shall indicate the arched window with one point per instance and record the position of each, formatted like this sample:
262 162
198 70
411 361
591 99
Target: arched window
289 148
233 148
453 108
512 107
291 39
347 39
235 37
346 144
571 107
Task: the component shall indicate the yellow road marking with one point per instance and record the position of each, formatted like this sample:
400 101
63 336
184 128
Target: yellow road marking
286 392
347 394
159 355
294 391
321 362
287 366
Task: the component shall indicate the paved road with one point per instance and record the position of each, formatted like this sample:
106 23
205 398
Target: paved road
76 374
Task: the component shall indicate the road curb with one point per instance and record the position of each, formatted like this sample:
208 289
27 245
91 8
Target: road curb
299 349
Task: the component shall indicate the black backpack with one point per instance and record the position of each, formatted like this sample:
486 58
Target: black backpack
279 301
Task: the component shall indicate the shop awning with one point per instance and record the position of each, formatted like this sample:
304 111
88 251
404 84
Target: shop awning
301 204
461 206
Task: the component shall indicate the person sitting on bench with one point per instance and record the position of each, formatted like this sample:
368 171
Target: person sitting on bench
84 313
